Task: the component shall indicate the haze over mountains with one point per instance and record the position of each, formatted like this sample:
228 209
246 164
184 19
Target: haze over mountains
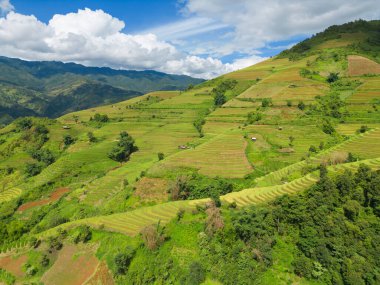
51 89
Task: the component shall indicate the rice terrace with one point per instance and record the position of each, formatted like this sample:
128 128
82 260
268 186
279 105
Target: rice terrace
136 155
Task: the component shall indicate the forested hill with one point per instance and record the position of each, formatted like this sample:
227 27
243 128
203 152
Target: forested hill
52 89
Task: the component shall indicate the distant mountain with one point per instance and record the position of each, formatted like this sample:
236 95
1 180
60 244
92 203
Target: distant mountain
50 88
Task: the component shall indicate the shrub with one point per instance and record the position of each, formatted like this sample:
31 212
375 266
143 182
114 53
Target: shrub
101 118
124 148
351 209
266 102
197 274
91 137
219 99
33 169
153 236
362 130
160 156
68 140
123 260
214 221
84 234
332 77
301 105
24 124
289 103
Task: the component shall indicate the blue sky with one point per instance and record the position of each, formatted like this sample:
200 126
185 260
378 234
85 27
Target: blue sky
193 37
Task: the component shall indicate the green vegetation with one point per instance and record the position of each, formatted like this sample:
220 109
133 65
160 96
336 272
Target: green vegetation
267 175
54 88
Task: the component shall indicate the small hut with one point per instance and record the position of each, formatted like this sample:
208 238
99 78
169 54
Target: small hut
253 139
65 127
280 128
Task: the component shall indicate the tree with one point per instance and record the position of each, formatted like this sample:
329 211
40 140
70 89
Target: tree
327 127
91 137
124 148
219 99
153 236
68 140
351 209
43 155
101 118
266 102
301 105
197 274
123 260
32 169
24 124
253 117
312 148
332 77
214 221
84 234
160 156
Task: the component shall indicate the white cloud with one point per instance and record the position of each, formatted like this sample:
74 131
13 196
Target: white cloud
258 22
186 28
95 38
5 6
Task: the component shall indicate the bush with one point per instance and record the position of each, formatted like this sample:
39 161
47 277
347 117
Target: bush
160 156
124 148
289 103
153 236
332 77
43 155
362 130
266 102
101 118
84 234
91 137
301 105
24 124
197 274
327 127
351 209
219 99
33 169
123 260
68 140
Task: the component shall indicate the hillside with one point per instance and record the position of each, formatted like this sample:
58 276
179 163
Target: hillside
52 89
267 175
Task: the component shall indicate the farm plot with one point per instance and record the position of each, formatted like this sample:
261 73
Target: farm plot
131 223
165 139
368 91
223 155
259 195
10 194
74 266
357 142
359 65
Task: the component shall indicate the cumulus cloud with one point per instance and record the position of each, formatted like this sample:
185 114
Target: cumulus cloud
258 22
95 38
5 6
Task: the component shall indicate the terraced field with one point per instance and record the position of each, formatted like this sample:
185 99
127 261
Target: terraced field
222 155
356 145
131 223
367 92
359 65
10 194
